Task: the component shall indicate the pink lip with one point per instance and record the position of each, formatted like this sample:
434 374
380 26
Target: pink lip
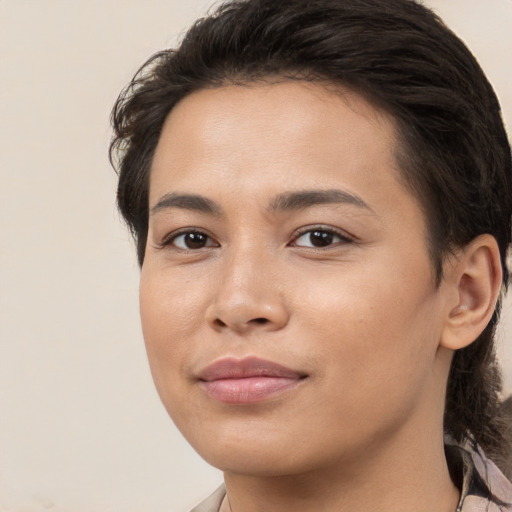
246 381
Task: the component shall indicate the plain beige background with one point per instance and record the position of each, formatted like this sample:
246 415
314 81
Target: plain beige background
81 427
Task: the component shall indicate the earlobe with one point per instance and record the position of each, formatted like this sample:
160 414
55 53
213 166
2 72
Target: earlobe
477 277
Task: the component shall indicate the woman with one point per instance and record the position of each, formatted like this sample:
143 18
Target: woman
321 196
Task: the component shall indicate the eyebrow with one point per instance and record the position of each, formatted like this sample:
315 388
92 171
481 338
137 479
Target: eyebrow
287 201
306 198
188 202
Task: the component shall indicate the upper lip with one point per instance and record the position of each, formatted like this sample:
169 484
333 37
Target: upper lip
232 368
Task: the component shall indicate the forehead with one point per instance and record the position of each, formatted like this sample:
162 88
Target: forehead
289 127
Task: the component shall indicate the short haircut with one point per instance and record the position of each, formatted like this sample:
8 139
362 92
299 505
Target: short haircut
453 151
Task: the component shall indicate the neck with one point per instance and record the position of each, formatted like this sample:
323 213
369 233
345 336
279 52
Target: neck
400 476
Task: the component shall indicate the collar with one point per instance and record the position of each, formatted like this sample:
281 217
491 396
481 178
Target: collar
483 486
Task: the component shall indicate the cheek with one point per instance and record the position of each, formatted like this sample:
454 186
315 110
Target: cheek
372 330
170 318
170 305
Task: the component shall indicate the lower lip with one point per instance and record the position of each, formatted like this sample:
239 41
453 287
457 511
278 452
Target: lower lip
248 390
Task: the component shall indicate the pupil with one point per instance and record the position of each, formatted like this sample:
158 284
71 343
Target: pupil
321 238
195 240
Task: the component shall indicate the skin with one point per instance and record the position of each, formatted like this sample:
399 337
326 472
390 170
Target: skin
361 318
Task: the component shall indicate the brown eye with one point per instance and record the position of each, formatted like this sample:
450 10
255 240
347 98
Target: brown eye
319 238
192 240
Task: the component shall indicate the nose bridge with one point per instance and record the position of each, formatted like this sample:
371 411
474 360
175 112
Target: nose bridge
244 262
248 293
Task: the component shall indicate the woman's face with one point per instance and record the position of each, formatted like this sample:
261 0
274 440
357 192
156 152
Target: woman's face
287 296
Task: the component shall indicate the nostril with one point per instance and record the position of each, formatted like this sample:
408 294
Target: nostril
220 323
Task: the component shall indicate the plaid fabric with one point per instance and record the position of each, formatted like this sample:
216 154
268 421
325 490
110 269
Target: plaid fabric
483 486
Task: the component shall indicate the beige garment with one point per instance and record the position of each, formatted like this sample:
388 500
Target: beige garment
213 502
483 487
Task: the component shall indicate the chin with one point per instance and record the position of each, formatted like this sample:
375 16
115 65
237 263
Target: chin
246 451
256 462
259 453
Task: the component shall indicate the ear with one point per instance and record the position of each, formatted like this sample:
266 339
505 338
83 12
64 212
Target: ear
476 277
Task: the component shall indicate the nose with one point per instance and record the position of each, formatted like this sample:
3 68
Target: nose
248 296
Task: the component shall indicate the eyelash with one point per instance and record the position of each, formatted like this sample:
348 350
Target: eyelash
170 239
343 238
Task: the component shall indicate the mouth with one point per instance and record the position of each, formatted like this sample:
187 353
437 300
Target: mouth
247 381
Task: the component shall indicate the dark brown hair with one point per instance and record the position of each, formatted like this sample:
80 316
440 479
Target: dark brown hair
454 153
